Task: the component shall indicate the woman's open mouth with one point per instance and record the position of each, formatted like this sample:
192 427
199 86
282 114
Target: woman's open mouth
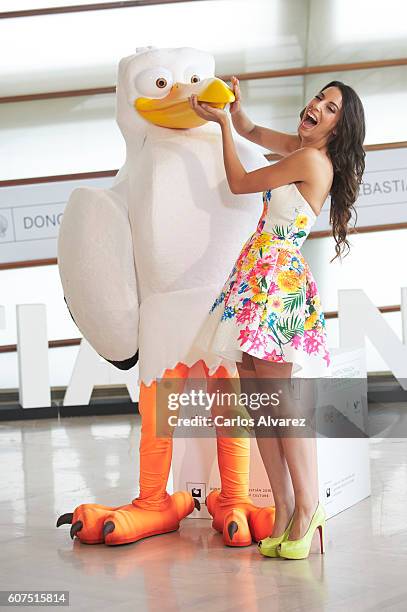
309 121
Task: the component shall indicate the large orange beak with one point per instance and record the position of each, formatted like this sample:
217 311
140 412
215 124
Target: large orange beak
174 111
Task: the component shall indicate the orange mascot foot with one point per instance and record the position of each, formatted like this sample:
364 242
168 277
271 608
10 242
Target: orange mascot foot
154 511
240 522
234 514
95 524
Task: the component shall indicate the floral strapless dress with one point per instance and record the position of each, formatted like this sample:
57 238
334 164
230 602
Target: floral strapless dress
269 306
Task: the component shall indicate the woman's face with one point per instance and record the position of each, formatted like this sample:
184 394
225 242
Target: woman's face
325 108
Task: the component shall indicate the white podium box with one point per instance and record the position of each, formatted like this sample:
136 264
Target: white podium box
343 463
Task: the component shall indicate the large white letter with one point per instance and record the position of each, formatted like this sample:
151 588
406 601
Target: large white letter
360 318
89 370
32 351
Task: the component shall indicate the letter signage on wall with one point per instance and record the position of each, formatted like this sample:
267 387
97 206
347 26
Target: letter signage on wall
30 215
383 193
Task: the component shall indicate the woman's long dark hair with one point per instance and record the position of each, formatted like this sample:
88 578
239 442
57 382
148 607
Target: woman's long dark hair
345 149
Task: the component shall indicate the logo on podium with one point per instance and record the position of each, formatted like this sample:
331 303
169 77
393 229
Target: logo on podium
197 490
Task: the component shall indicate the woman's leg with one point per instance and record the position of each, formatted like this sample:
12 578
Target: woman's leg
272 454
300 455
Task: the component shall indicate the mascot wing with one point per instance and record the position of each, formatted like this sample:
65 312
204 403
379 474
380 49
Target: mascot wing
96 266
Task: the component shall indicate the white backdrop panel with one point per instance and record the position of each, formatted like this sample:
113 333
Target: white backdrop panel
30 215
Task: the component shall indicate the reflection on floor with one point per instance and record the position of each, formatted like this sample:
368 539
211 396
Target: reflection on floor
48 467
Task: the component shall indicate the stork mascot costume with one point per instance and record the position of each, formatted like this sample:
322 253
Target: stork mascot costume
141 264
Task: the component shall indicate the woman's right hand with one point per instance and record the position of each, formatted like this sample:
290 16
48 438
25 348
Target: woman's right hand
235 106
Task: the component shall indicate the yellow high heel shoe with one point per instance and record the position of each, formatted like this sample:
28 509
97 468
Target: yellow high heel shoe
268 546
299 549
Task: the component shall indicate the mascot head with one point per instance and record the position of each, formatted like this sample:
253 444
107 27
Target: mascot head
154 85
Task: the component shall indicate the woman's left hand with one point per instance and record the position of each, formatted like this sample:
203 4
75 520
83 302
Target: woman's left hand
209 113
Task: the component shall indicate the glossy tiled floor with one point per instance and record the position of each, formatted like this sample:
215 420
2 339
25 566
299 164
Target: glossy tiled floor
48 467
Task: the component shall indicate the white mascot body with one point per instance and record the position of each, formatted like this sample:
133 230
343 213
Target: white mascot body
142 262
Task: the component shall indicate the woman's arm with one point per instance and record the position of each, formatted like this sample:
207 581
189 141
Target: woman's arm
305 164
301 165
279 142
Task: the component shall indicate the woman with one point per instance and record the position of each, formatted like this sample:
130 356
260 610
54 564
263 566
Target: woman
268 317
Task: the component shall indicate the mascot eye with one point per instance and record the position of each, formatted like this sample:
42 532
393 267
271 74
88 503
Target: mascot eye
195 78
153 82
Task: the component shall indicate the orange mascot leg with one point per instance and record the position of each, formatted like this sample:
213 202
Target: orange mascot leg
153 512
234 515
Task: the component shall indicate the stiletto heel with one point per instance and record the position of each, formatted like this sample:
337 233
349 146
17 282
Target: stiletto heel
321 530
268 546
299 549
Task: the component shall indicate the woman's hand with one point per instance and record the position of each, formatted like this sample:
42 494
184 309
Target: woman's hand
236 106
209 113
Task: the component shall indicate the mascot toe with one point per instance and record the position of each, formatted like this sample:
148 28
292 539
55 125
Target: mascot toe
140 266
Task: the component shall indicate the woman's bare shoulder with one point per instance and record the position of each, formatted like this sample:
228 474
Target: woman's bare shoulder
317 188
